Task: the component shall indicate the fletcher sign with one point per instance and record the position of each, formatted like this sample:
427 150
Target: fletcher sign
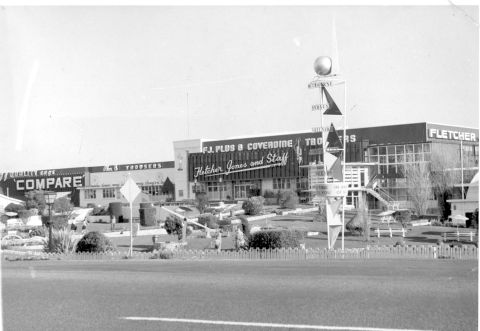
449 134
267 161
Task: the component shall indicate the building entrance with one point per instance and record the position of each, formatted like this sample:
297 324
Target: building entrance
244 189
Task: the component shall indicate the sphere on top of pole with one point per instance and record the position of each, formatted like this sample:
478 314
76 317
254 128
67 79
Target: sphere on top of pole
323 65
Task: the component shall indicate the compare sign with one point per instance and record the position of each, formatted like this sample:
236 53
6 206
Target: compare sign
49 183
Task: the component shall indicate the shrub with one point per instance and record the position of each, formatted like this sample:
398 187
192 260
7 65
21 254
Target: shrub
245 226
208 220
223 223
35 199
253 206
403 216
62 242
475 218
25 214
58 221
272 239
13 207
62 205
163 254
201 201
288 199
436 223
94 242
173 226
38 231
267 194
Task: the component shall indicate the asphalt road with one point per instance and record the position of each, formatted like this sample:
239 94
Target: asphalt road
346 294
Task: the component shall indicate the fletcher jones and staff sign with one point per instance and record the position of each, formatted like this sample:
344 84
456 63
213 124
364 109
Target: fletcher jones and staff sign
243 165
267 161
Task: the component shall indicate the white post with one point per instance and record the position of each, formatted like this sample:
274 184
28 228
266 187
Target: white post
344 199
324 165
461 163
131 229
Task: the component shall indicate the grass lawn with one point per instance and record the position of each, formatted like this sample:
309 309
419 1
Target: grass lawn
421 235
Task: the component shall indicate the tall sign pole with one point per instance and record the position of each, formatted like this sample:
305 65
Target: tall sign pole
333 189
461 166
344 202
130 191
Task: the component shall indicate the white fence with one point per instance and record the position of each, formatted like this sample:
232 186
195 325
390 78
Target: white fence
466 252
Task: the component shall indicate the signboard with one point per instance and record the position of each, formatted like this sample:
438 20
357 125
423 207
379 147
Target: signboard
17 184
323 106
319 83
245 165
332 189
321 129
444 132
315 151
130 190
233 166
265 143
132 167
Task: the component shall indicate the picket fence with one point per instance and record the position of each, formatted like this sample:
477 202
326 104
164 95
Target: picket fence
466 252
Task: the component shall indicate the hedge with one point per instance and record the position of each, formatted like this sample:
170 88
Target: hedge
271 239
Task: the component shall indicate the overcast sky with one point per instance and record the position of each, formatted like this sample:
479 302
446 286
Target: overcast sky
87 86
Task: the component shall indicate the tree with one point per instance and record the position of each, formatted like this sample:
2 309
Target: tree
35 199
168 187
209 220
62 205
445 173
253 206
174 226
288 199
201 201
360 223
418 185
14 208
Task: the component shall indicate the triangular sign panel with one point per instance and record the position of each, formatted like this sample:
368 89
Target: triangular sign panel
330 160
333 207
332 106
333 143
333 232
336 171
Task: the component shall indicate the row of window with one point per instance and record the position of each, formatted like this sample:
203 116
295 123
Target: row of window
110 193
152 189
399 149
106 193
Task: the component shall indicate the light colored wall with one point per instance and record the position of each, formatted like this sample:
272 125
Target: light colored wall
181 150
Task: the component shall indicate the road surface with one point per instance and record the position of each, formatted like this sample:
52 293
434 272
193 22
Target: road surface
240 295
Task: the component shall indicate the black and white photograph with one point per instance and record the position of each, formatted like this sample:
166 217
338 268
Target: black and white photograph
239 166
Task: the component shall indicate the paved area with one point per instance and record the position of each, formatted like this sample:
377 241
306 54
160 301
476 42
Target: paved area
197 295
